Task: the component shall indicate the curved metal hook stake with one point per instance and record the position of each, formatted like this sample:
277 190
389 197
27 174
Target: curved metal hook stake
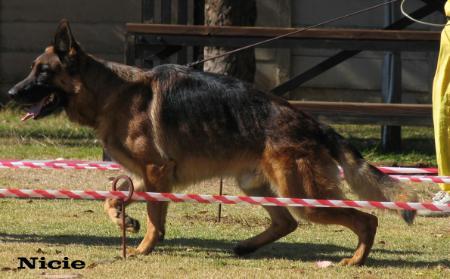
130 187
123 203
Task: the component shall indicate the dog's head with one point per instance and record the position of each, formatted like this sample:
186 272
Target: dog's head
48 87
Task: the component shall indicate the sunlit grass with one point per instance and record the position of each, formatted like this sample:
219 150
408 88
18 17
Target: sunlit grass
197 246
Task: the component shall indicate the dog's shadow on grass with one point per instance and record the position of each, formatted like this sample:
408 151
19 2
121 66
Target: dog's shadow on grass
305 252
66 239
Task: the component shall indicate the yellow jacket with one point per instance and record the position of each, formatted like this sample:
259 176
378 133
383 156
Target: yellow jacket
441 103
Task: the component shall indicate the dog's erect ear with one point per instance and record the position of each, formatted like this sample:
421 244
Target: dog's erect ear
64 44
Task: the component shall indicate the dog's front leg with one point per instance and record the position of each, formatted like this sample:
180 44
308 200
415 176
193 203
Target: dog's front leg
158 179
154 212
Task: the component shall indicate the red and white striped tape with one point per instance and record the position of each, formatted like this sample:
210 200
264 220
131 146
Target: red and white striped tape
58 164
268 201
403 170
101 165
422 178
93 165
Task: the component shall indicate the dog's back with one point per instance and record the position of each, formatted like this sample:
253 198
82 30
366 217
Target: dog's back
202 116
207 114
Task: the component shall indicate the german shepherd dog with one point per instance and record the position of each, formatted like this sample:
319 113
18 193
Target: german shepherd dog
172 126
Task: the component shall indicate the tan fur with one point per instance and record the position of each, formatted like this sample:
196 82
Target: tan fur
369 186
317 182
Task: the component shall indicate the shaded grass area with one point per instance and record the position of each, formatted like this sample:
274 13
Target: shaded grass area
53 127
56 137
417 145
50 138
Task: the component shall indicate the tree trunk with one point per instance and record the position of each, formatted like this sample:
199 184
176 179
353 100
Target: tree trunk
231 13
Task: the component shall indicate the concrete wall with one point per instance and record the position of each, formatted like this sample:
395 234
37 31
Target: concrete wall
27 27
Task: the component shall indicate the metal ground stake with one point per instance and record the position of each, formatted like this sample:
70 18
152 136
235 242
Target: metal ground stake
123 203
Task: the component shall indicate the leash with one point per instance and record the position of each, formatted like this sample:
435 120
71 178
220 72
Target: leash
402 9
201 61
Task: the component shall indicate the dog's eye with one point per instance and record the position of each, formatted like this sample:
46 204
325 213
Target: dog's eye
43 73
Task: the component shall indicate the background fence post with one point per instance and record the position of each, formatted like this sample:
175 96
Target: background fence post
391 85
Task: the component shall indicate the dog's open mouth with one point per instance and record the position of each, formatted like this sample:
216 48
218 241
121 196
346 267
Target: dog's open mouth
42 108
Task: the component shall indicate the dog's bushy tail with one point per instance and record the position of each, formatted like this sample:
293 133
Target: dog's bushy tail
366 181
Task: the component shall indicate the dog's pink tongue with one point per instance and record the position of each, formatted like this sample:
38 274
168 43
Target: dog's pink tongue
27 116
34 110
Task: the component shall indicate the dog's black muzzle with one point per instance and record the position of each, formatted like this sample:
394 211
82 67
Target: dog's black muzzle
29 92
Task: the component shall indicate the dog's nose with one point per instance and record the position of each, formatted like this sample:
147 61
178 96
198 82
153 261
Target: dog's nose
12 92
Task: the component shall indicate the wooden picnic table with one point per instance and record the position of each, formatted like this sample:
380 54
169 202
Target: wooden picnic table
161 37
156 42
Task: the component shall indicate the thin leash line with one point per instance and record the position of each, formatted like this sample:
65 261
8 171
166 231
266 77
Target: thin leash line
402 9
292 33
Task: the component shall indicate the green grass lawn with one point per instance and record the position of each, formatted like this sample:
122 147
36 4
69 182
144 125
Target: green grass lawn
196 245
417 144
54 137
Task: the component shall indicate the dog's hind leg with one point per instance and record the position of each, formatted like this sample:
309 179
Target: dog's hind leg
282 222
364 225
304 179
113 208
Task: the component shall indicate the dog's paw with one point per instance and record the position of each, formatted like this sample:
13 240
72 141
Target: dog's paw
161 236
131 225
131 252
241 250
408 216
142 251
350 262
